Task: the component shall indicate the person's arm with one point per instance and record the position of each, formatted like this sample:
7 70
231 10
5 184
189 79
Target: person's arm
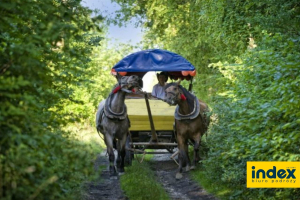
154 91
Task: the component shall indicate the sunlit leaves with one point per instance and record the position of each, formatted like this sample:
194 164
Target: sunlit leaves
45 53
260 119
257 44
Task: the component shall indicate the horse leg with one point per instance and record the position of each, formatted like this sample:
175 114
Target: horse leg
179 172
188 161
181 157
121 154
196 151
109 144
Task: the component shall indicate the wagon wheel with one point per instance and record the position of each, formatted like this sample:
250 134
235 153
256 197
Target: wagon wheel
129 154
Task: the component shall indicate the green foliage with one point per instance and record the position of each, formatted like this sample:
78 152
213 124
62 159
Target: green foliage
207 31
96 86
211 186
139 182
45 67
258 120
252 85
44 166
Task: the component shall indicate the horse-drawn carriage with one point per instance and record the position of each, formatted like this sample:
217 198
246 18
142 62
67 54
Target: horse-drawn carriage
151 121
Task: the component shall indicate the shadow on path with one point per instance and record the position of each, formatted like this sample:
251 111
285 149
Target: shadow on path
104 188
183 189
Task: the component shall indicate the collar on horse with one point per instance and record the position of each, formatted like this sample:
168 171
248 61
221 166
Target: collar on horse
106 109
191 115
111 114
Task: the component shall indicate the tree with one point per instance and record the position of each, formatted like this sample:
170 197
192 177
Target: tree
44 54
247 56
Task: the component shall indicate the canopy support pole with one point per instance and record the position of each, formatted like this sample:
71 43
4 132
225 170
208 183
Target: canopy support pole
191 85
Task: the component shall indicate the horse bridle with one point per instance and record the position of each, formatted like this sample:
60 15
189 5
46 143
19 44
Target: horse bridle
121 84
175 96
127 83
126 90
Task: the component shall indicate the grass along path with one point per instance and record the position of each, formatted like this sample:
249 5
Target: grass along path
140 182
155 179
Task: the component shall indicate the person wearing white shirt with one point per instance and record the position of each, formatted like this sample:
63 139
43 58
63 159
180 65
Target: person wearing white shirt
158 90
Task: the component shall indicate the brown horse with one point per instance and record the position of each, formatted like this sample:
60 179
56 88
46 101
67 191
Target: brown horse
191 122
112 120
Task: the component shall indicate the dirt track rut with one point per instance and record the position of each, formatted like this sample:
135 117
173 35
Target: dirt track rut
183 189
104 188
165 169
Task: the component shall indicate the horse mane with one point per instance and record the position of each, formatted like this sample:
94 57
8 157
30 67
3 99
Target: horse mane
189 96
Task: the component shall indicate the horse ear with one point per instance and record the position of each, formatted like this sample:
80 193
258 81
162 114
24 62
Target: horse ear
118 77
178 83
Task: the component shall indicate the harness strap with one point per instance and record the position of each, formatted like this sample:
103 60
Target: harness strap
111 114
191 115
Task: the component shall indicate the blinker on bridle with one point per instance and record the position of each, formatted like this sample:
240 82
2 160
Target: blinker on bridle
182 97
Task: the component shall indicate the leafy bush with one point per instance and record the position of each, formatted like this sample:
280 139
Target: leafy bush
258 118
44 55
45 165
253 91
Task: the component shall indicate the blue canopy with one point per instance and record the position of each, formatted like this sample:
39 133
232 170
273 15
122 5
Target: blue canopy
155 60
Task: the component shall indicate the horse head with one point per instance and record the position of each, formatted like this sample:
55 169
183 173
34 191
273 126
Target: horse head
174 93
128 83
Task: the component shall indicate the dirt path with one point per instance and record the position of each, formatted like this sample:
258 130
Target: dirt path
104 188
183 189
109 189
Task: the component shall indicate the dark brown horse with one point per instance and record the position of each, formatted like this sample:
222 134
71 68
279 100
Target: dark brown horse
191 122
112 120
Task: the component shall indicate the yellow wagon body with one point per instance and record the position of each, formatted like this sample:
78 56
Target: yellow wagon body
162 114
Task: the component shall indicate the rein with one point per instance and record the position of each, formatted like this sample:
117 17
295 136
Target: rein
117 89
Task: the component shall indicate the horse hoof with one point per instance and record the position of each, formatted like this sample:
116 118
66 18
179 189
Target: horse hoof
187 168
113 178
113 175
121 173
193 167
179 176
121 170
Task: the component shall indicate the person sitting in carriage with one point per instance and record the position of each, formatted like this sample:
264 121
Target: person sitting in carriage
158 90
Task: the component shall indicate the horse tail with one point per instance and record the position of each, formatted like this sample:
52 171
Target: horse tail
196 145
204 110
99 114
207 115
